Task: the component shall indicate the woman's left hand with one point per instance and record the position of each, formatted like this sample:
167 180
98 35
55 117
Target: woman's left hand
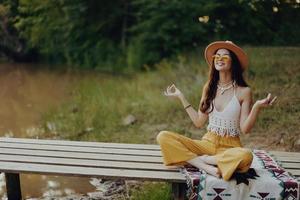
266 102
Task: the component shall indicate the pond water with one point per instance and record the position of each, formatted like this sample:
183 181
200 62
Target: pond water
25 93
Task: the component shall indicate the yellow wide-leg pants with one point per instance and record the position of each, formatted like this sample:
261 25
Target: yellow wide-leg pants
177 149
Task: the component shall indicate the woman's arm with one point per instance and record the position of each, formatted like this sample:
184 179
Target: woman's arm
248 115
198 118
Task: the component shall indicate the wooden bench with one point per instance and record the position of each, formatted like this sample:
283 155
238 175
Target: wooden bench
96 159
87 159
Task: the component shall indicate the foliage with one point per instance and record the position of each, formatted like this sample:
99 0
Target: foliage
78 33
166 28
11 43
125 35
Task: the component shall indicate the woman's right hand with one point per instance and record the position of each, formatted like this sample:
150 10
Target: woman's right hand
173 92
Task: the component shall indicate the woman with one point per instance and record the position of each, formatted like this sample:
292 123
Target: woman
227 103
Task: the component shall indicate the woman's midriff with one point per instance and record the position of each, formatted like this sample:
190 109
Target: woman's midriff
222 141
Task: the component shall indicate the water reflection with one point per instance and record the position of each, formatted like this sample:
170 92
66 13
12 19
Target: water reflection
24 95
53 186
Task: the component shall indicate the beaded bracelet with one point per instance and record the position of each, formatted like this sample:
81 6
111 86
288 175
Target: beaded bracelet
187 106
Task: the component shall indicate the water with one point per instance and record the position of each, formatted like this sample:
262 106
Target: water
25 93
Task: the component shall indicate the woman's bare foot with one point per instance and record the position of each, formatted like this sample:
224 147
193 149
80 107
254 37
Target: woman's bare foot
209 159
200 164
213 171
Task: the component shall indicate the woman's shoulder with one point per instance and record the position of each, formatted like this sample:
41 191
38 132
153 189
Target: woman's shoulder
244 92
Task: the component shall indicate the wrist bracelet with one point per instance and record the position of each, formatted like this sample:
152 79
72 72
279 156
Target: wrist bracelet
187 106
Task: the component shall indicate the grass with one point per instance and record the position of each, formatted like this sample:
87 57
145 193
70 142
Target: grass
99 103
152 191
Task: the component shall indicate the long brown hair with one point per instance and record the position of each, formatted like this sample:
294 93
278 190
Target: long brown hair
210 87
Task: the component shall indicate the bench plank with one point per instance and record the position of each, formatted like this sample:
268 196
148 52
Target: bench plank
295 172
287 159
80 149
85 162
290 165
77 155
285 153
14 167
81 143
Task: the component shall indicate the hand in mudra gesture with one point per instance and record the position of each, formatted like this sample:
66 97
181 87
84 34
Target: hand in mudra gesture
266 102
173 92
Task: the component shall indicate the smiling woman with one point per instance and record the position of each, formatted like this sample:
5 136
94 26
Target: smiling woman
226 103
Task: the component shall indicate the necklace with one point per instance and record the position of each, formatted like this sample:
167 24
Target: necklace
224 88
225 84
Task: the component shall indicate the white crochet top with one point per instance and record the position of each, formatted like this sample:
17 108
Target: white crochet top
226 122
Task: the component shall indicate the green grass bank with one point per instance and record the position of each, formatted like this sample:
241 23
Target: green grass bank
98 105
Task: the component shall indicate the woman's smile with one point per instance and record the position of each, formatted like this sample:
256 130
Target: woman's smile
220 63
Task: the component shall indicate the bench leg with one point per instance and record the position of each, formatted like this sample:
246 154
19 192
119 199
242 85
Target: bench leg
179 191
13 187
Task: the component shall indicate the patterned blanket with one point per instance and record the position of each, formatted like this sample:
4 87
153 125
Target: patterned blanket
265 180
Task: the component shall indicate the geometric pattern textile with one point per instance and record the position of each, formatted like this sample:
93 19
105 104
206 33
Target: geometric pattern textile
265 180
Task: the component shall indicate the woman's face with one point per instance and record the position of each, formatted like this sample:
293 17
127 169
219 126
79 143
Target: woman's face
222 60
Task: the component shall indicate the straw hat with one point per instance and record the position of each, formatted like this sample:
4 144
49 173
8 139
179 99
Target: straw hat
239 52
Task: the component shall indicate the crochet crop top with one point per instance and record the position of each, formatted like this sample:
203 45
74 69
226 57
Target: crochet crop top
226 122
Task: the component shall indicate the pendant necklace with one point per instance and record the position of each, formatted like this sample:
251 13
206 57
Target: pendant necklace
224 88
